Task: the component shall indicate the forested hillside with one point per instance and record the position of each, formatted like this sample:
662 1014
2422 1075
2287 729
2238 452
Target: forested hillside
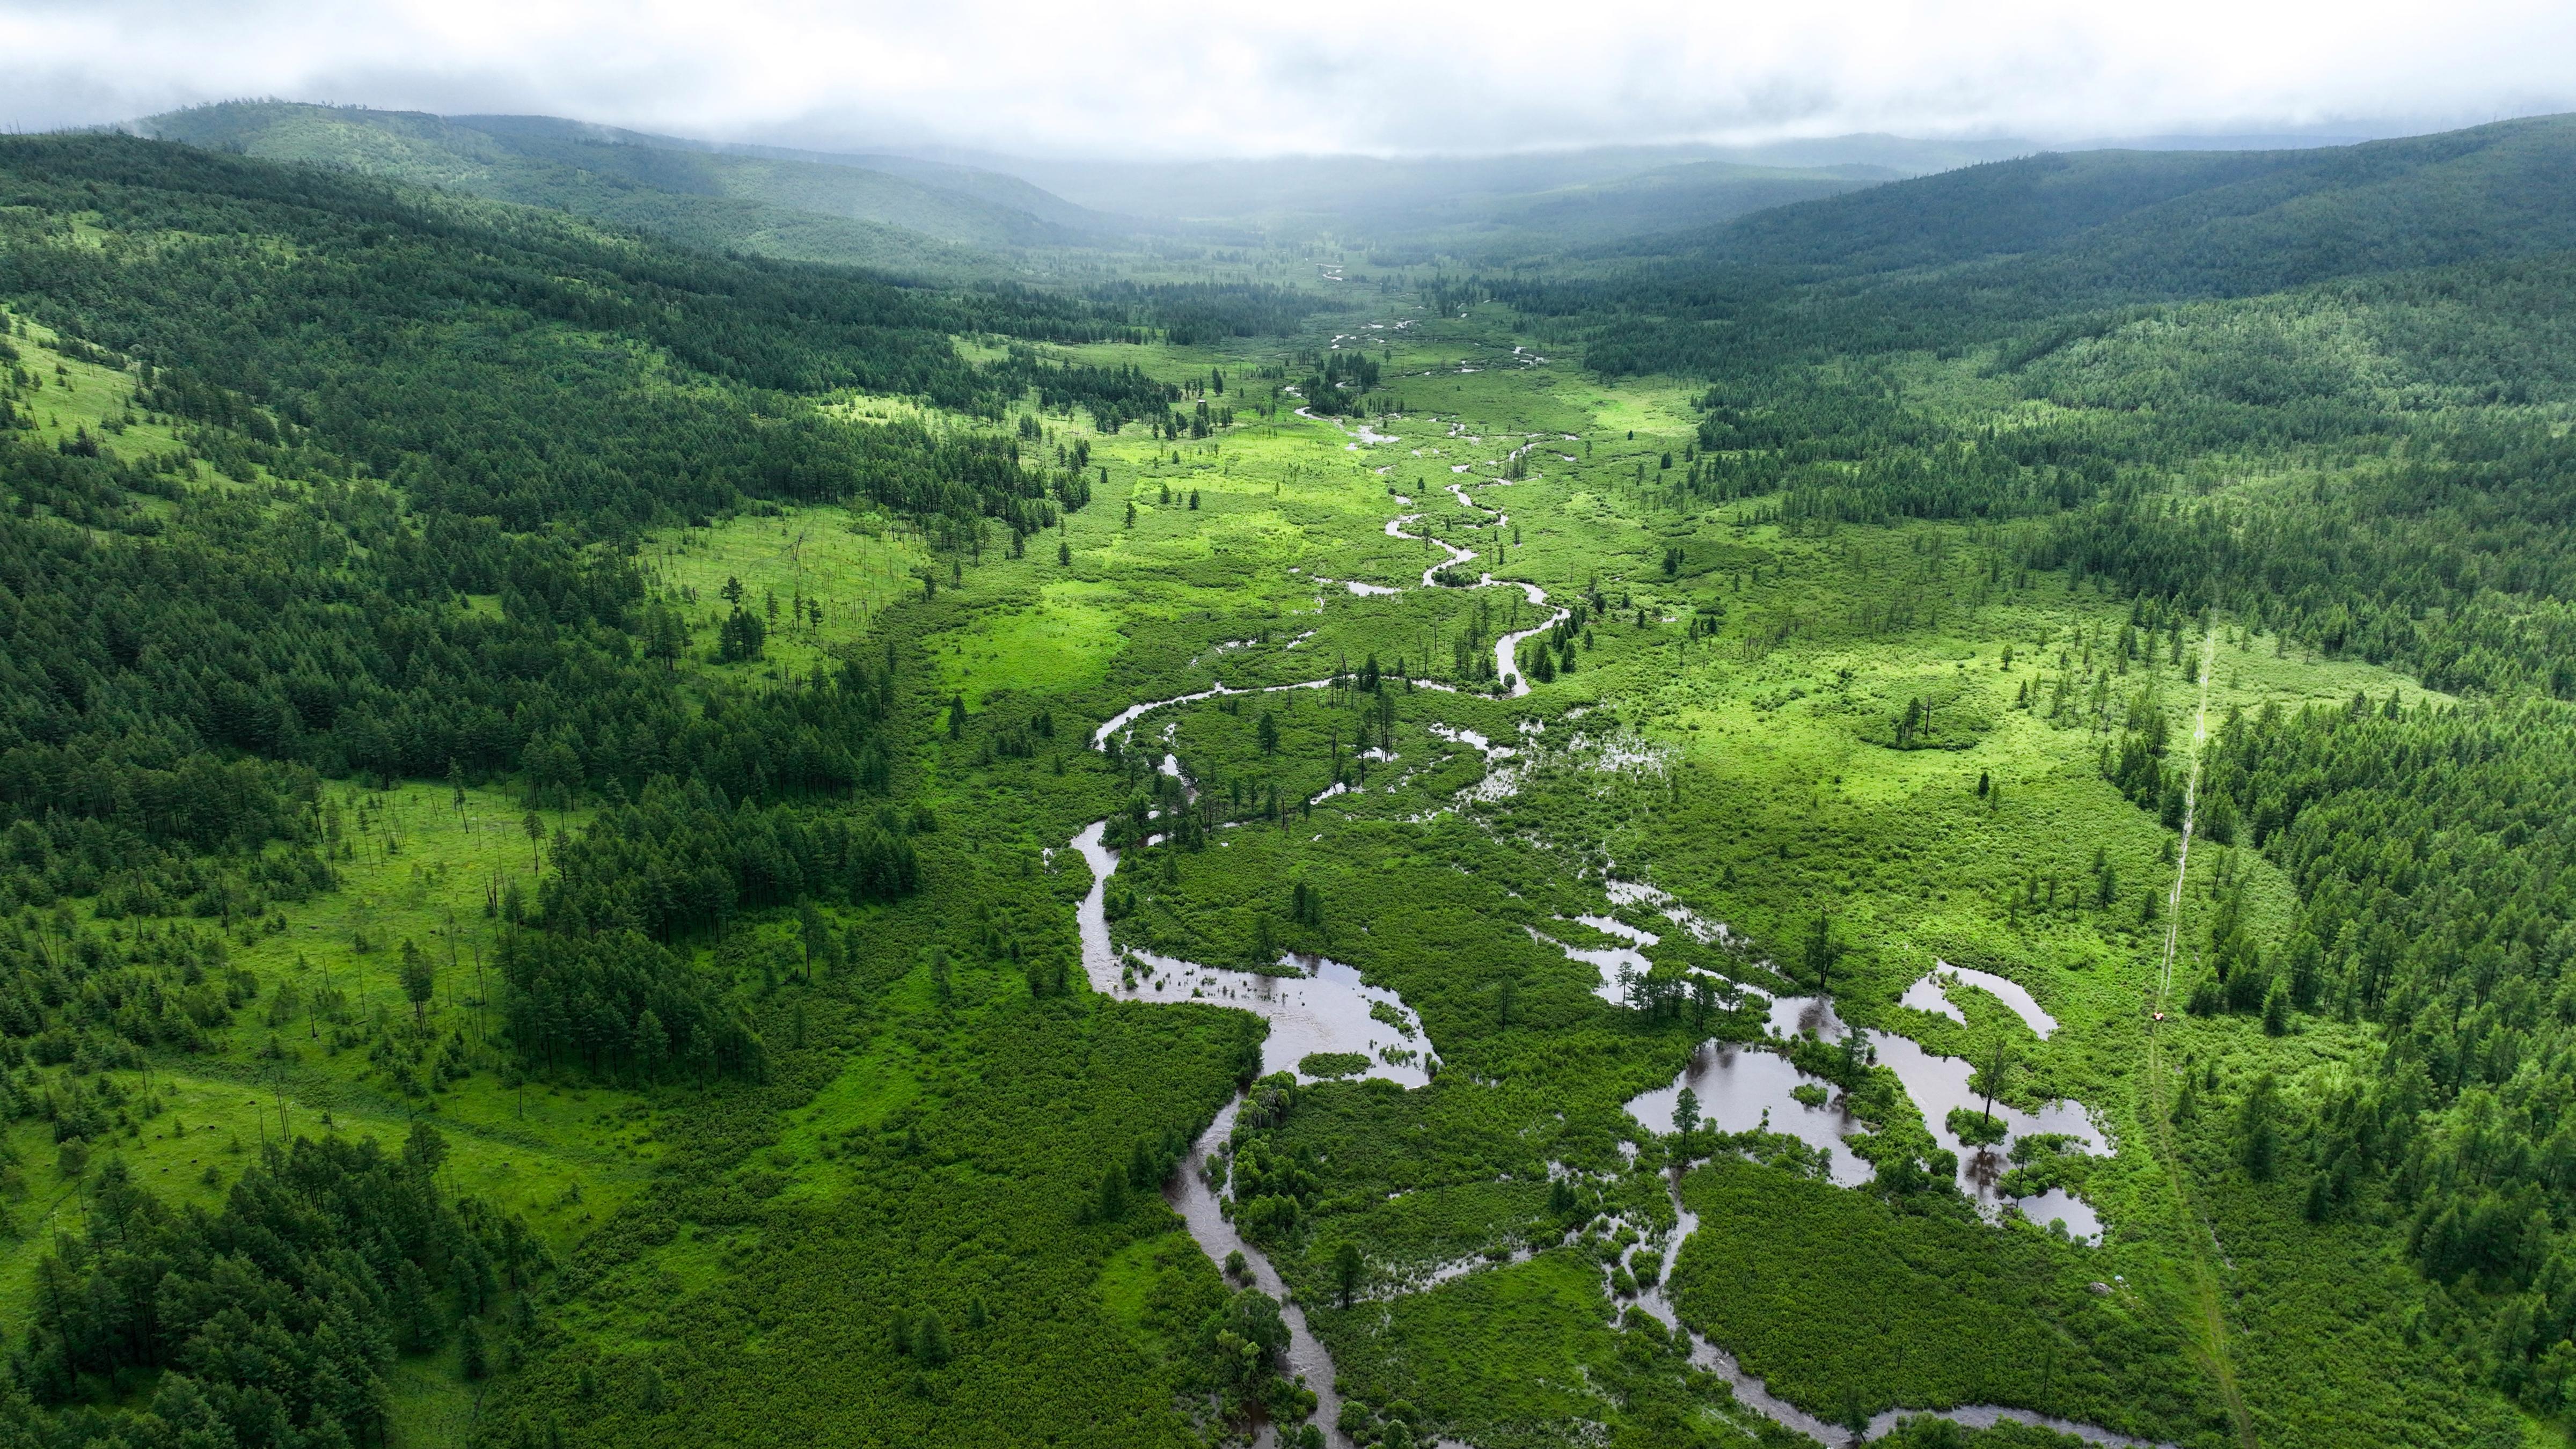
2156 223
2363 450
350 503
1938 813
789 206
426 402
2055 241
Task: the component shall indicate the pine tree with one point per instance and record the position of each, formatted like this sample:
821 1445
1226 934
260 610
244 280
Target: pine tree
930 1341
1349 1269
419 979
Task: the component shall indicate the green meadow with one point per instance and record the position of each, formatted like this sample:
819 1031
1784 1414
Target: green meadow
524 946
1770 794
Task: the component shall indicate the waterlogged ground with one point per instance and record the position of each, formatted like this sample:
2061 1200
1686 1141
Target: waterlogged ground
1481 839
1313 1004
1742 1088
1261 730
1491 921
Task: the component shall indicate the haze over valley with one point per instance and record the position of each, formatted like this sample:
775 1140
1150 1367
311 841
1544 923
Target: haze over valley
999 727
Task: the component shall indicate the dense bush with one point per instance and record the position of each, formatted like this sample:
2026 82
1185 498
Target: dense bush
277 1319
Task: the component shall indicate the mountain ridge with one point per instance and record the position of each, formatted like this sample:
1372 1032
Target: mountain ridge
794 209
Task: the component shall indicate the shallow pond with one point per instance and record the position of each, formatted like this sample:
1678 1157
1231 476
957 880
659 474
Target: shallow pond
1740 1087
1615 963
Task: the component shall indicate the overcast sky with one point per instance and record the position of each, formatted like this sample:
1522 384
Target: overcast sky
1158 78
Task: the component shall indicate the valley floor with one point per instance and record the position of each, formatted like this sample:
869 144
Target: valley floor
1716 745
1718 817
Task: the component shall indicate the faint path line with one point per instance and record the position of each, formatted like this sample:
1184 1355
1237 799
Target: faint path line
2205 1287
2190 804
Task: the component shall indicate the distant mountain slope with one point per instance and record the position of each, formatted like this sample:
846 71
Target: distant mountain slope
1010 195
998 188
1695 192
942 218
766 204
1385 198
2028 249
1350 185
2142 224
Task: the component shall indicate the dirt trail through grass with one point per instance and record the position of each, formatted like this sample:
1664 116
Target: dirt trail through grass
2208 1305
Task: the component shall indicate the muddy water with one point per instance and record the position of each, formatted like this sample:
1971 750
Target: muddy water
1454 555
1740 1088
1939 1083
1200 1208
1134 712
1325 1010
1749 1391
1328 1009
1615 963
1638 893
1929 994
1505 665
1363 590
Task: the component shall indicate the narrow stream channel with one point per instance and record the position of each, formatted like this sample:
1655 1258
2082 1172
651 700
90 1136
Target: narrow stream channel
1327 1009
1756 1395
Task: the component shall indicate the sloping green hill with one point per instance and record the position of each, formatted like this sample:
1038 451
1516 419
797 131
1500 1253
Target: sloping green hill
2140 224
1486 208
999 188
928 196
2030 248
1692 193
767 205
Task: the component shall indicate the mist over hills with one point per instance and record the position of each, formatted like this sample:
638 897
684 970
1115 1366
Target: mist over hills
775 206
993 187
852 556
953 214
1924 236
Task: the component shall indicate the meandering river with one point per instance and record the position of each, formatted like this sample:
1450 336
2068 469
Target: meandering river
1326 1008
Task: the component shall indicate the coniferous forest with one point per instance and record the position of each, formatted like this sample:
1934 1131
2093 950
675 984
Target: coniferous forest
1938 813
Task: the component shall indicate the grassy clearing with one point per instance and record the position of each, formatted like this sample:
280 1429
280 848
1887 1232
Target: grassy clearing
301 1055
81 395
786 558
929 1139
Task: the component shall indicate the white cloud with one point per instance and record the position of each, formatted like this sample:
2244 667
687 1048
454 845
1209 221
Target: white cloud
1157 77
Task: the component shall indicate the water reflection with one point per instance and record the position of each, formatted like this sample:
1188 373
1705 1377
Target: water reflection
1615 963
1928 994
1740 1088
1325 1009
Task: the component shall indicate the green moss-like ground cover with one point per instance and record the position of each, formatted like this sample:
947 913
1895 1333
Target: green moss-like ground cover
923 1148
